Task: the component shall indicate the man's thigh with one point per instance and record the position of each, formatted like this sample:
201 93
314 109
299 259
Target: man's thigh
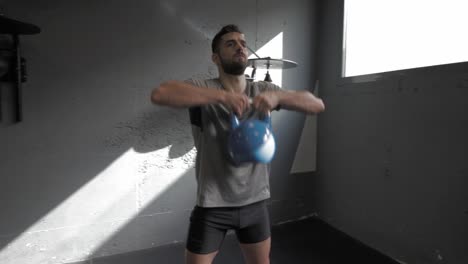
254 223
208 227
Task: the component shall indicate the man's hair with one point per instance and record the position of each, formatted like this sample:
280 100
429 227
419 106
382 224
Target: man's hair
217 39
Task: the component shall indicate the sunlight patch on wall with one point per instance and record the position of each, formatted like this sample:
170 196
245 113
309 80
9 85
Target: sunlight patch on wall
86 220
273 49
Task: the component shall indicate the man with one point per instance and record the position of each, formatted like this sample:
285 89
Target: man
229 196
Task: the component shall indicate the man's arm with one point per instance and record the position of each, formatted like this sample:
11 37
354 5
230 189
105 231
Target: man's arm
182 94
302 101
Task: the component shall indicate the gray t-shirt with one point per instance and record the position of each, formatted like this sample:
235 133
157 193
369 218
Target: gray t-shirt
220 183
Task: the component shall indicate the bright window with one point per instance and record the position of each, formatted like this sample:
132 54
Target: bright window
388 35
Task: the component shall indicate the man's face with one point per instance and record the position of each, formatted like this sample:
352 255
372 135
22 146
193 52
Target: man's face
232 54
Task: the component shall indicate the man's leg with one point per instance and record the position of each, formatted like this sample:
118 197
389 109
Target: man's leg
257 253
208 227
192 258
254 234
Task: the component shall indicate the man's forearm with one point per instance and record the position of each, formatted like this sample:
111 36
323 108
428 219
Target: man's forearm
302 101
182 94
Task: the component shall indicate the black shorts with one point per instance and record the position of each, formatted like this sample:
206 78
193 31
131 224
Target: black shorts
208 226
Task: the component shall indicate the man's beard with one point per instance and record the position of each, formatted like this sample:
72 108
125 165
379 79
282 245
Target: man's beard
233 68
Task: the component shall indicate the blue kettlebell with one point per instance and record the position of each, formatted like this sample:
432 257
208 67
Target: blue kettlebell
251 140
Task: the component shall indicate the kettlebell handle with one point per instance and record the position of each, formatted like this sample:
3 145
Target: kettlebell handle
235 121
267 118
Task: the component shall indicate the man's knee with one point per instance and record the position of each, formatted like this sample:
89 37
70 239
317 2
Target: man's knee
193 258
257 253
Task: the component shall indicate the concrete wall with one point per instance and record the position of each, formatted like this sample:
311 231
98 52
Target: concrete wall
392 154
95 169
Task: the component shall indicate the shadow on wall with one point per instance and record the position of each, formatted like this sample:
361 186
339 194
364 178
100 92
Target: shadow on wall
159 129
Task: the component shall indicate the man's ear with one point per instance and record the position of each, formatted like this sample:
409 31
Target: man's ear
215 58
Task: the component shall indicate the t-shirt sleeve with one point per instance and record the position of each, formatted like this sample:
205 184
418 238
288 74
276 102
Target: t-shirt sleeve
195 116
195 111
196 82
268 86
274 87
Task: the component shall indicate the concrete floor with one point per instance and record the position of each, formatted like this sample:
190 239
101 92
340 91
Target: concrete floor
305 241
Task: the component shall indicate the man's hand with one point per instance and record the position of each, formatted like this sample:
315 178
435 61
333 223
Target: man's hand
237 102
266 101
302 101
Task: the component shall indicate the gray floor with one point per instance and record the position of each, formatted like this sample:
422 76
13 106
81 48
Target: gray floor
306 241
